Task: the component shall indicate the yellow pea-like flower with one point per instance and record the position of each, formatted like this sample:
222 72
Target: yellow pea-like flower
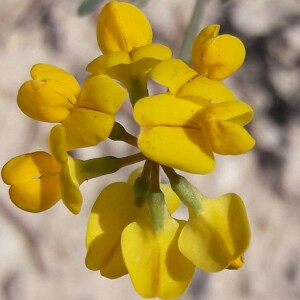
34 181
87 114
93 119
184 82
199 115
113 210
184 134
155 264
214 57
217 56
38 180
124 36
217 235
51 94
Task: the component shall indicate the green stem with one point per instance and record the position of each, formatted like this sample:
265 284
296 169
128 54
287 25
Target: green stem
97 167
119 133
191 31
155 177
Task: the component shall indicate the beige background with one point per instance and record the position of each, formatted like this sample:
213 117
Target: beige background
42 255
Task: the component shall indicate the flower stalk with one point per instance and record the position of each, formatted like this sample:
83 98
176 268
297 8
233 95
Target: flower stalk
96 167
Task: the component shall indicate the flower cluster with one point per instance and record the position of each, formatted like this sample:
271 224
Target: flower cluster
131 229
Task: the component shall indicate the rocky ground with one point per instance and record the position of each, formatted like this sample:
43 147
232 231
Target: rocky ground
42 255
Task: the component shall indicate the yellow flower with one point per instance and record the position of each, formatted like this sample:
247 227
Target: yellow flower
38 180
217 56
214 58
199 115
113 210
216 235
54 95
122 27
182 133
50 95
155 264
34 181
125 38
184 82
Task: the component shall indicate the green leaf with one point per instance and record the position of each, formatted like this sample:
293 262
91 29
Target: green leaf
191 30
88 6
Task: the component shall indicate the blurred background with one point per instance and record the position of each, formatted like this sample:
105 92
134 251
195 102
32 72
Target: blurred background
42 255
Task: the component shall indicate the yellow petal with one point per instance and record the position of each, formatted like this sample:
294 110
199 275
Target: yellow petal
144 59
101 93
104 62
66 82
217 56
222 126
71 195
156 266
70 176
166 109
34 181
124 67
50 96
172 200
111 213
217 235
237 112
173 73
181 148
204 38
211 91
154 51
122 27
86 127
57 144
228 138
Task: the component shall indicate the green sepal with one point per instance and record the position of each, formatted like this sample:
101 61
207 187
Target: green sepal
184 190
141 188
157 206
